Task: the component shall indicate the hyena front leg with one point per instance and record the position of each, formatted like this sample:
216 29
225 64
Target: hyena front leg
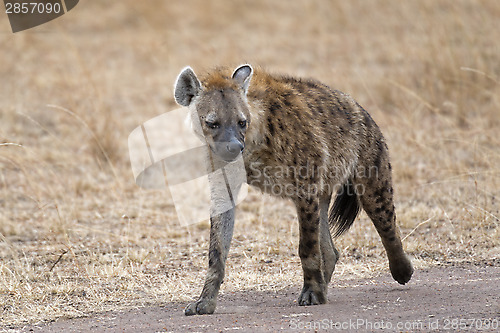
221 232
329 253
315 289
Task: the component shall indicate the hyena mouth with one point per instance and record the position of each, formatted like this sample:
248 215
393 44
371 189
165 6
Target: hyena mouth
228 151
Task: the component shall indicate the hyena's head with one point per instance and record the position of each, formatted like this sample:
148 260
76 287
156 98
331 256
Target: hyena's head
218 108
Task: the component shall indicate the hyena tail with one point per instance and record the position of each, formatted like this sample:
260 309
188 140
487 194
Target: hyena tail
344 210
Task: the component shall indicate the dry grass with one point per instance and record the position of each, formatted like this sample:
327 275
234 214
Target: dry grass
76 234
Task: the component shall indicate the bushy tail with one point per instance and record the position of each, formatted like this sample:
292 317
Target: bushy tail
344 210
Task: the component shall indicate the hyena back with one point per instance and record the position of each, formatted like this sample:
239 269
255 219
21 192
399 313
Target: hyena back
303 141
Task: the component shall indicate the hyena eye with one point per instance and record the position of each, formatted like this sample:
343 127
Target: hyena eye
212 125
242 123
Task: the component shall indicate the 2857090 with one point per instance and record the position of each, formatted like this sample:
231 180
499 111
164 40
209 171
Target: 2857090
32 8
463 324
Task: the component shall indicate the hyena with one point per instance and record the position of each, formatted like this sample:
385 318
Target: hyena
304 141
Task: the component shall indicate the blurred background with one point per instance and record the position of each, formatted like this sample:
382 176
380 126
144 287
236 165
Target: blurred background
78 236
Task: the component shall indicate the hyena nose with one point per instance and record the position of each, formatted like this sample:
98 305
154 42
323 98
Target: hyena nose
234 147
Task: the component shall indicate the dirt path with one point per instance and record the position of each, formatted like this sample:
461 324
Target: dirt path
438 299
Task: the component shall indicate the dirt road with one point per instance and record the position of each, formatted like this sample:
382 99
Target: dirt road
451 298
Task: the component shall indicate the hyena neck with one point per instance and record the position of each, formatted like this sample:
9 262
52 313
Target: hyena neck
254 136
258 99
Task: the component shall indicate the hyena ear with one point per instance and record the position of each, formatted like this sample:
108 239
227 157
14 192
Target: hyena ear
242 75
187 86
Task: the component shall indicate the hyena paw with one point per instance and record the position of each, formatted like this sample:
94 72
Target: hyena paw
311 297
201 306
401 270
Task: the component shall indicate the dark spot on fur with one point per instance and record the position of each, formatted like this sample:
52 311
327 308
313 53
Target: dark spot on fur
378 210
213 257
310 106
274 107
270 126
317 159
379 192
311 274
313 230
286 100
391 239
320 102
309 216
268 141
386 229
310 244
349 118
311 84
390 166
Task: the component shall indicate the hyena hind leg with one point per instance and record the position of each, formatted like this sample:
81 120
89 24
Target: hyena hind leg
377 201
329 253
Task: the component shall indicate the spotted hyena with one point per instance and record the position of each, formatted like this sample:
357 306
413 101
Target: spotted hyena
304 141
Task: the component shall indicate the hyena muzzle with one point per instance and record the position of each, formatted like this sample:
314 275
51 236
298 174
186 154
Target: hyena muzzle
300 140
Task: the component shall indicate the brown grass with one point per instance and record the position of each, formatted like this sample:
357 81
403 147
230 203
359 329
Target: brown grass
78 236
